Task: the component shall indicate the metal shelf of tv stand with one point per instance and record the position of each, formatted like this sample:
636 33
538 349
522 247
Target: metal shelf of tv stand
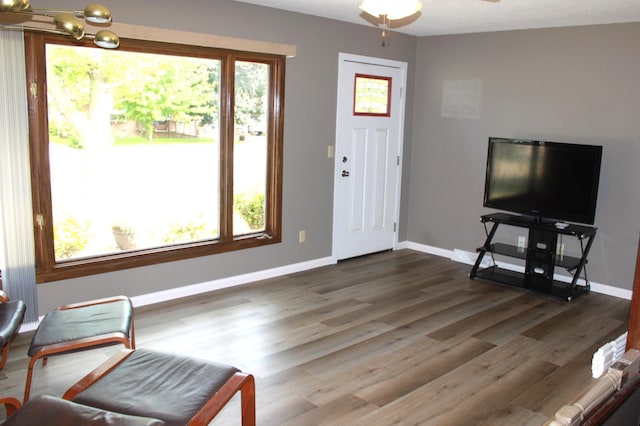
573 265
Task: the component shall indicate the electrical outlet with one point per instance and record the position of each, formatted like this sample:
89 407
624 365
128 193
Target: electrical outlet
302 236
522 241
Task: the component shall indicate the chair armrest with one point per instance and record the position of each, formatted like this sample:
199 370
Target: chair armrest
93 302
11 404
239 381
96 374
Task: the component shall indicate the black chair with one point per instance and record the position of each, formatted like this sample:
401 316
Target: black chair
11 317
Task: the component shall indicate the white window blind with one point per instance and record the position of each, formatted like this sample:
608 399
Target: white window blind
16 227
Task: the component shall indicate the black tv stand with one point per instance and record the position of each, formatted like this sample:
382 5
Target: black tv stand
540 256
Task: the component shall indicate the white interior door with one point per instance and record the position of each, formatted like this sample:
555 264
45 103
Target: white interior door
367 155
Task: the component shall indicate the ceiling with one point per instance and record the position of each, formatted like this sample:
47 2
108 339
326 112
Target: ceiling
472 16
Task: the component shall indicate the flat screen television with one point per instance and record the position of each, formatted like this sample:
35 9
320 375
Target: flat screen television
552 181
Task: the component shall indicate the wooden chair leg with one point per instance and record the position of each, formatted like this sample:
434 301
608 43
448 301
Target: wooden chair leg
132 335
5 355
27 386
248 401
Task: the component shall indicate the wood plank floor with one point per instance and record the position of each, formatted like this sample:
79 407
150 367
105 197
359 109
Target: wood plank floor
392 338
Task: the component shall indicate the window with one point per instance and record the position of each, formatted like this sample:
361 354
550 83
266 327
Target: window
151 153
372 95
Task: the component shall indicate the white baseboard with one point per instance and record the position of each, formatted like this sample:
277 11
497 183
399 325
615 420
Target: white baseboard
195 289
611 291
425 249
470 257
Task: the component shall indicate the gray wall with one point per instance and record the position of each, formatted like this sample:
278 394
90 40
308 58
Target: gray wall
573 84
576 85
310 115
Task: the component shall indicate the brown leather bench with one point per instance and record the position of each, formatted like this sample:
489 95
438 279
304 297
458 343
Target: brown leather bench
51 411
176 389
81 326
144 387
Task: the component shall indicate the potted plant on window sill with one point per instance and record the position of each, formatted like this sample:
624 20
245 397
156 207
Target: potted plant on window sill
124 235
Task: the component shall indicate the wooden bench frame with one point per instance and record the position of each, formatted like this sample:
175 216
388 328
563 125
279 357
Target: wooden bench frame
243 382
129 341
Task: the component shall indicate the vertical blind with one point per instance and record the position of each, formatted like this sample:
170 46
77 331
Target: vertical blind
16 223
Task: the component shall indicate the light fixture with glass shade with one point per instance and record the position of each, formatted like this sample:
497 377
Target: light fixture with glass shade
388 10
67 22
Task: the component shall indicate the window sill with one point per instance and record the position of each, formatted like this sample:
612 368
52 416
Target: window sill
137 258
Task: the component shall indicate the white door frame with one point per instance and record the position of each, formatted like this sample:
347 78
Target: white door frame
347 57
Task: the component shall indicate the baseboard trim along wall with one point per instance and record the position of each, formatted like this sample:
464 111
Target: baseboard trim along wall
456 255
470 258
205 287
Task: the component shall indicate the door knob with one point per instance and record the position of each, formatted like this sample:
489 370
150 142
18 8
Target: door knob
345 173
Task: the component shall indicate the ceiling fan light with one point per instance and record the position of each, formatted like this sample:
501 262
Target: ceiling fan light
373 7
14 5
97 14
403 8
393 9
106 39
69 24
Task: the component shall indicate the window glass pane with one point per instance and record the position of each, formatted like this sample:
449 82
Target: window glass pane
134 156
372 95
250 147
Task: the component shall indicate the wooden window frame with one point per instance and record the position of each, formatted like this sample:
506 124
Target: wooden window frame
47 269
389 80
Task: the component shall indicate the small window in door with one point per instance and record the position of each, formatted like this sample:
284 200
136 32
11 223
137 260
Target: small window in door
372 95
